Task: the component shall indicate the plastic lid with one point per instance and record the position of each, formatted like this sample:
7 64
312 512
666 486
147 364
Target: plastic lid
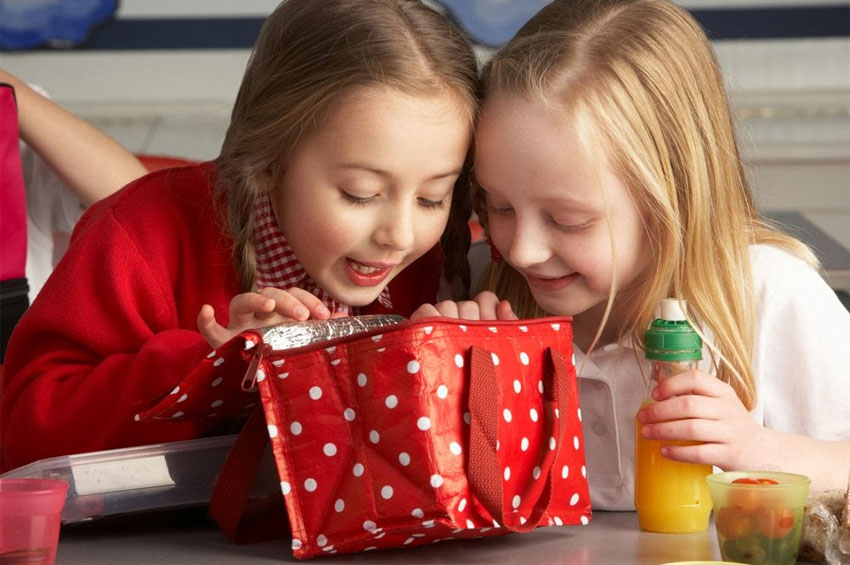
674 310
671 337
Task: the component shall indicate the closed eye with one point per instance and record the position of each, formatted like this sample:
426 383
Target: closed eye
500 210
433 204
570 228
357 200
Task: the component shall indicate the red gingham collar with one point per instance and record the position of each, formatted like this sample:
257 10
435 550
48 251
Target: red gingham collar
277 265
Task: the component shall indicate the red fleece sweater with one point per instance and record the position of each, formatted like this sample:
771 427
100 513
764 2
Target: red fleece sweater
115 327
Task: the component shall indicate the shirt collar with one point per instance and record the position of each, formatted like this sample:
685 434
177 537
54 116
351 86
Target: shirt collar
277 265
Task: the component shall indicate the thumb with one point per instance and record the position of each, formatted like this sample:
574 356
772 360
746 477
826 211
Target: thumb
212 332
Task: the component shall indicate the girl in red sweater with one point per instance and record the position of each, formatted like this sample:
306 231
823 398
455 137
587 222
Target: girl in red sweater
342 170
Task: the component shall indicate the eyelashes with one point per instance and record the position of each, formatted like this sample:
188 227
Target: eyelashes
361 201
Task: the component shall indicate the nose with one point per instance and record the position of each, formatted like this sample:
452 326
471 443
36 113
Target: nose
528 245
395 228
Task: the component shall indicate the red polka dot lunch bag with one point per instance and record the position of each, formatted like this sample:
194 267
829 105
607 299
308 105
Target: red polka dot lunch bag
398 434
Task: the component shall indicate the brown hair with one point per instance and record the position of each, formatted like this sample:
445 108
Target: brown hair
640 81
308 55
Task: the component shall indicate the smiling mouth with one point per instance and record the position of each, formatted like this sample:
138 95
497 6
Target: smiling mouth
551 283
367 275
365 269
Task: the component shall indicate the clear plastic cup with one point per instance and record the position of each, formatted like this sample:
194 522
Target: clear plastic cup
30 518
758 515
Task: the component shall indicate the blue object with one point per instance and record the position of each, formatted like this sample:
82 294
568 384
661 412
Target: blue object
25 24
492 22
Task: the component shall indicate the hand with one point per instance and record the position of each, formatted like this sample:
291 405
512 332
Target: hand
258 309
485 306
696 407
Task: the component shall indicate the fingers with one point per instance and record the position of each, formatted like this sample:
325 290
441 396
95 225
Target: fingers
213 333
504 311
245 307
296 304
425 311
687 407
701 454
448 309
486 304
698 430
691 382
470 310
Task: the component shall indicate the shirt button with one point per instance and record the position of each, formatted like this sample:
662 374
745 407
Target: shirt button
599 428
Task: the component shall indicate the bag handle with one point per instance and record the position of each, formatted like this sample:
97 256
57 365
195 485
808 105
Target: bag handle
485 477
242 520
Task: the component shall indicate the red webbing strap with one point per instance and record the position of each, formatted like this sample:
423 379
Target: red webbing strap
485 477
229 502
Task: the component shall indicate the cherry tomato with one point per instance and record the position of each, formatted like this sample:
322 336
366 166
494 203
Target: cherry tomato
745 481
748 499
732 523
775 523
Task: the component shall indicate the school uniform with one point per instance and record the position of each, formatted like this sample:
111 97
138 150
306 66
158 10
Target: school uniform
800 362
115 326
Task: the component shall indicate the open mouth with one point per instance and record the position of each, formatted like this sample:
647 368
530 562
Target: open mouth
365 269
363 274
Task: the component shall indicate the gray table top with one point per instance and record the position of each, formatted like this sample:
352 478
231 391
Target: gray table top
186 536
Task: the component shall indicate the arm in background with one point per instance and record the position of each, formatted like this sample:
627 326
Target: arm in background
88 161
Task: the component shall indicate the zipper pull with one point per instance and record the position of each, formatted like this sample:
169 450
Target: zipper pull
249 381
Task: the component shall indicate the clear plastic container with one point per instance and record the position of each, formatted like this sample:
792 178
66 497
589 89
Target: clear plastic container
138 479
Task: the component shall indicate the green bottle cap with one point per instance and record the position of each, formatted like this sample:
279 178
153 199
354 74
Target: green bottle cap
671 337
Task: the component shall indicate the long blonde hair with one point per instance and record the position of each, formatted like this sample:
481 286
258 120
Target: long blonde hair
308 56
640 80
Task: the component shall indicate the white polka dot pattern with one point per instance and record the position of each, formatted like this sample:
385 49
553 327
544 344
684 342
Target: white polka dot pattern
402 419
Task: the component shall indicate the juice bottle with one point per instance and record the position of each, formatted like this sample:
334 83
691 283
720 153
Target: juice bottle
670 496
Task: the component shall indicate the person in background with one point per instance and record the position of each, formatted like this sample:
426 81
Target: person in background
65 165
68 165
333 189
609 179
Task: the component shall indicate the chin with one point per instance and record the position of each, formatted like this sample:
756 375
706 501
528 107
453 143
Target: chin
358 299
563 306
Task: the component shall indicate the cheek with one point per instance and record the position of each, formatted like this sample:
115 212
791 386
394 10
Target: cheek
321 234
501 233
429 230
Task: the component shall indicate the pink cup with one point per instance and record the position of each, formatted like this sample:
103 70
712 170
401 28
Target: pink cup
30 517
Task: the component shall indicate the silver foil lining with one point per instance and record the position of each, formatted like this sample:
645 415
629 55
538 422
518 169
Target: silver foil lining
311 332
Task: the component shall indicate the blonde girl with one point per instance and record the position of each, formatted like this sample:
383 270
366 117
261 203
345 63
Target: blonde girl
334 187
609 178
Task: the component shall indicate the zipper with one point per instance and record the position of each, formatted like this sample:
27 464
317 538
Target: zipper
263 350
249 380
407 323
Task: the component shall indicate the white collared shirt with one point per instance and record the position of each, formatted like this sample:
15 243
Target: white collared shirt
801 364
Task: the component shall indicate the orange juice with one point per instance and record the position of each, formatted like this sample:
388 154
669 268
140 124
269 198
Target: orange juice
670 496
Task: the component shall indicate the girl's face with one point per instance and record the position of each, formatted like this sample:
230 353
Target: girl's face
369 192
547 211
